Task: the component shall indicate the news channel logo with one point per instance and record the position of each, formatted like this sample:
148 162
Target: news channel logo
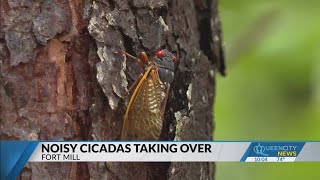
269 149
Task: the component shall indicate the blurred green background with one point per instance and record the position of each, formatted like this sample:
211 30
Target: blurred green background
272 91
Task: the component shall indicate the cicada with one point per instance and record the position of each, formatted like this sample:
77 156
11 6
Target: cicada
144 116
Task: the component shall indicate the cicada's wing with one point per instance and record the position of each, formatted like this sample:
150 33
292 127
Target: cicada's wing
143 118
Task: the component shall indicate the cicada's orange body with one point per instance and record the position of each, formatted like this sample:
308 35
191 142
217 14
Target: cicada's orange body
143 119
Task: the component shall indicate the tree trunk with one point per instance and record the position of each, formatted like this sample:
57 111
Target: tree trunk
62 79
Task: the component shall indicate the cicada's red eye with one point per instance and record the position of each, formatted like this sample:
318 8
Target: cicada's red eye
174 59
160 53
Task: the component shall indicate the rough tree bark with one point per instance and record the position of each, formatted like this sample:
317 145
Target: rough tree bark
61 78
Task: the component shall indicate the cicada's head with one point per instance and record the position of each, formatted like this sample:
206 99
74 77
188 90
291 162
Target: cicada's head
165 61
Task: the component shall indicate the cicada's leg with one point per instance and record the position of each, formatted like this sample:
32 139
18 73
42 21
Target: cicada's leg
163 108
143 57
142 62
133 85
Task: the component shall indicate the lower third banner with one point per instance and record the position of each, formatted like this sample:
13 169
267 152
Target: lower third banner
15 154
